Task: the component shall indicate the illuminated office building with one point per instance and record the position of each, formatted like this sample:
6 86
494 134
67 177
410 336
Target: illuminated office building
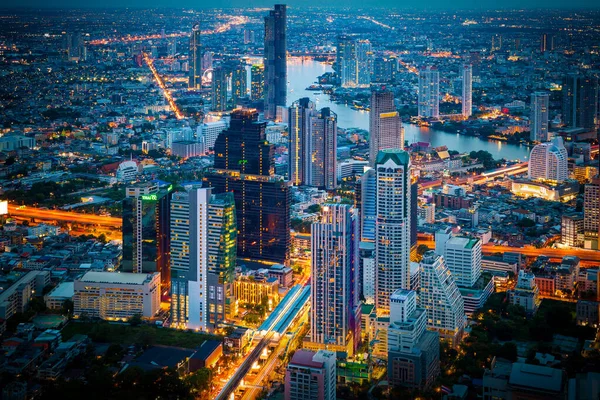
239 84
219 88
146 211
335 315
540 102
203 258
257 82
467 90
275 62
385 124
429 92
393 242
549 161
244 164
195 58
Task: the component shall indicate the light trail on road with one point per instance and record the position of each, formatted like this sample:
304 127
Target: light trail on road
160 82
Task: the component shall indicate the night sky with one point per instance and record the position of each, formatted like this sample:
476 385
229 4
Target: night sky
429 4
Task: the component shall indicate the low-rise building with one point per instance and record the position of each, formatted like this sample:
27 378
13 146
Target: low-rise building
116 296
525 293
56 297
16 297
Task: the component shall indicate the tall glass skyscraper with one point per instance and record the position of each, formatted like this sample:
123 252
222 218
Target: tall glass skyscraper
146 230
313 141
385 124
203 258
195 58
244 165
299 119
239 84
540 102
275 60
219 88
429 92
467 90
393 242
257 82
580 101
335 319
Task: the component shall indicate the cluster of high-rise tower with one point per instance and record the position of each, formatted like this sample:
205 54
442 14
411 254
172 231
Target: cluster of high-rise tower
268 82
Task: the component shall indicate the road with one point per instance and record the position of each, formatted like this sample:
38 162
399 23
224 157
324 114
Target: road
272 361
233 383
66 216
590 256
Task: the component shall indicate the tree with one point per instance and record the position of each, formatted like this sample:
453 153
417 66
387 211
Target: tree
508 351
314 208
135 320
67 308
199 381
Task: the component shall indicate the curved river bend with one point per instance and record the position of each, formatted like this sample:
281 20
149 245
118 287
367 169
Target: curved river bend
303 73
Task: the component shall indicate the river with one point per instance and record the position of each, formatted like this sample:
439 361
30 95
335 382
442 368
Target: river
302 74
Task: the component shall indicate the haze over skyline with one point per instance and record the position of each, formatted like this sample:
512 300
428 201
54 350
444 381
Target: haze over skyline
432 4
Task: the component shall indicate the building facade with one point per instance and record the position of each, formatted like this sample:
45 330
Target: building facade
540 102
195 58
116 296
334 296
467 90
385 124
275 60
203 258
549 161
440 296
311 375
429 92
393 221
146 210
244 164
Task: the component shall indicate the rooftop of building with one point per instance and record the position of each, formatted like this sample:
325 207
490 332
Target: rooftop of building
536 376
399 156
123 278
304 358
64 289
465 242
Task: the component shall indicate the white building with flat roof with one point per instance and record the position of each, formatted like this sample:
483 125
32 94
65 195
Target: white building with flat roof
116 295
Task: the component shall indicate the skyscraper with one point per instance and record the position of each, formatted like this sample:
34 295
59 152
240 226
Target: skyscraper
429 92
334 247
322 168
239 84
346 61
392 247
219 88
312 149
257 82
311 375
413 351
368 205
244 165
385 69
146 230
385 125
195 58
299 120
462 256
591 214
203 247
580 101
364 63
539 117
467 90
275 60
440 296
549 161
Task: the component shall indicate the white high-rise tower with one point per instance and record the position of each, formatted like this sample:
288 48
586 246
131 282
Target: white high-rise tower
392 246
429 92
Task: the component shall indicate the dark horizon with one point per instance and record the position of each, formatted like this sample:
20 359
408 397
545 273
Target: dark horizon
458 5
